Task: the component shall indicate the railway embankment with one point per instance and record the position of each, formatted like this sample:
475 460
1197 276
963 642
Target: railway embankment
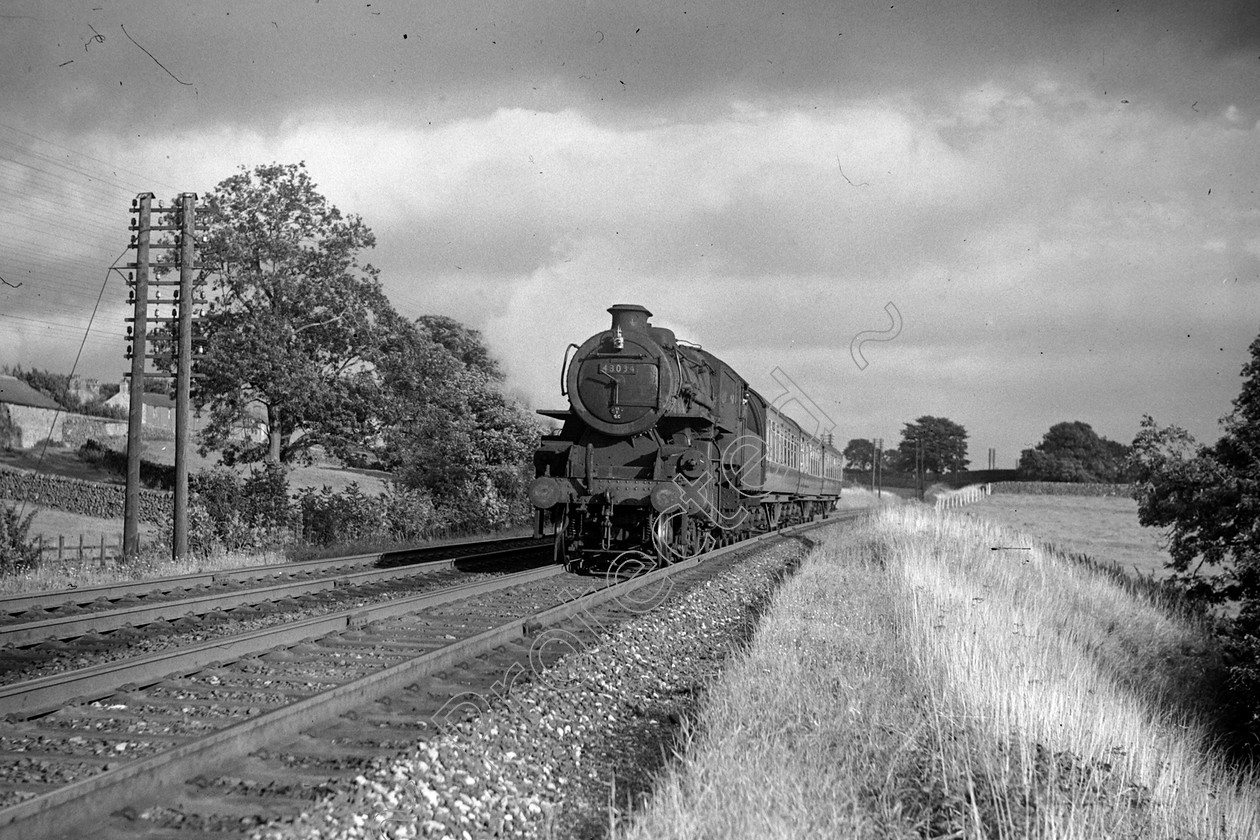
924 675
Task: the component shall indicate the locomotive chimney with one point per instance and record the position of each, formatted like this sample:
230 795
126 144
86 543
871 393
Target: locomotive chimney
629 316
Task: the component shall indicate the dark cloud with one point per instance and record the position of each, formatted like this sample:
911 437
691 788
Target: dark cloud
72 63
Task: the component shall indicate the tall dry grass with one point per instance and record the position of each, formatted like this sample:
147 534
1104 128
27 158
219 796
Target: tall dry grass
912 682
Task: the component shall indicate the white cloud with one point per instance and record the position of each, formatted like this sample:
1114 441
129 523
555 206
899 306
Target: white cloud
1007 221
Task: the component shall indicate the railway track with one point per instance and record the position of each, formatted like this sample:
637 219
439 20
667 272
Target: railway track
34 639
37 606
201 714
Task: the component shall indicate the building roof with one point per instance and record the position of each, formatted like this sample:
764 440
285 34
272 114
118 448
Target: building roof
16 392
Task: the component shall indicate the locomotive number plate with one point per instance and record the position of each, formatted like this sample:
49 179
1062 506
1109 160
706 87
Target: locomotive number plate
618 369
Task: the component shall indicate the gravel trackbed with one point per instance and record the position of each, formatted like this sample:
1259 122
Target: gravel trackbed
569 751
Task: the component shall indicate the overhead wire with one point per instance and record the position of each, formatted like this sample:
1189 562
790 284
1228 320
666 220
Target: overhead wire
85 155
34 174
39 462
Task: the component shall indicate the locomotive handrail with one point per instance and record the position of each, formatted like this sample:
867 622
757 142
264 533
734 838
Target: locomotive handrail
564 369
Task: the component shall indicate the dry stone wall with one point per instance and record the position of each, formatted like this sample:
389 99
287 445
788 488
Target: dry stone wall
88 498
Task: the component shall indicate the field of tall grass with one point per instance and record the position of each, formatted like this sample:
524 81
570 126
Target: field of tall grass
911 681
1104 527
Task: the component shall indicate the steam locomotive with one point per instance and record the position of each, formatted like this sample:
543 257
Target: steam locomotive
665 452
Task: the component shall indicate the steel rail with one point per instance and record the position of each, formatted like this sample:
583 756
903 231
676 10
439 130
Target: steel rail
11 604
71 626
56 812
38 696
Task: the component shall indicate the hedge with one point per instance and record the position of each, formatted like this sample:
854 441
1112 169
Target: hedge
1061 488
88 498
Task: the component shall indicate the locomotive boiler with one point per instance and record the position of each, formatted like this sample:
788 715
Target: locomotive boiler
665 452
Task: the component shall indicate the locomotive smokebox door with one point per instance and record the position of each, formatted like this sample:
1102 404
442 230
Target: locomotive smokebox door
621 380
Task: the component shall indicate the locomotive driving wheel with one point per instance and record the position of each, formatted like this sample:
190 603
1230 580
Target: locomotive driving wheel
678 536
561 555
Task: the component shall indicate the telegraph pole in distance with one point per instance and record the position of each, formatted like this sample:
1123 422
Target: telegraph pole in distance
877 469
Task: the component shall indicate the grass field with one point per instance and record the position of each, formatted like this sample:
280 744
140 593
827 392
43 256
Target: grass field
1104 527
50 523
938 689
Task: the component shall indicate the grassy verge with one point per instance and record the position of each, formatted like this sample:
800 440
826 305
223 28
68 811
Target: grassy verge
911 682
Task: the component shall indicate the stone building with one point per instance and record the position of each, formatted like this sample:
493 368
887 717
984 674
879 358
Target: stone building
26 415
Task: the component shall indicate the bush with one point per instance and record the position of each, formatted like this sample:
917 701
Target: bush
248 513
154 476
17 552
328 518
9 431
409 514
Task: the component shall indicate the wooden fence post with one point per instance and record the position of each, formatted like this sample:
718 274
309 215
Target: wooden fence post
61 547
103 565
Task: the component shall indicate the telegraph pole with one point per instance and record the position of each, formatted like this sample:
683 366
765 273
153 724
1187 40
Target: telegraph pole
176 347
874 456
139 281
183 371
878 468
919 467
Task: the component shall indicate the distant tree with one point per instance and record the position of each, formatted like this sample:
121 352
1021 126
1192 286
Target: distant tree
1074 452
296 322
860 453
941 442
156 385
55 386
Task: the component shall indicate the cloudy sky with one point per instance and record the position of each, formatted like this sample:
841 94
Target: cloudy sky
1054 202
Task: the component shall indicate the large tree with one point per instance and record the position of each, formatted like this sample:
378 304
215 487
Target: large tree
295 321
1073 451
1208 497
937 443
